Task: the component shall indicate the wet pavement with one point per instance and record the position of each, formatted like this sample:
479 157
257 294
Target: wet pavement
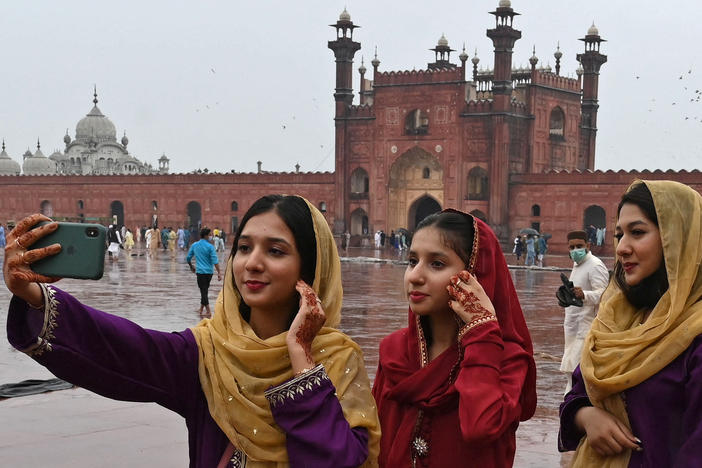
75 428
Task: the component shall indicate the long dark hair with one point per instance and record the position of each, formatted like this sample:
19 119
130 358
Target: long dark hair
457 233
296 215
649 291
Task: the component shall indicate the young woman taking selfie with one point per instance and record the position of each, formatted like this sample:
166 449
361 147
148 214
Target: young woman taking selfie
268 382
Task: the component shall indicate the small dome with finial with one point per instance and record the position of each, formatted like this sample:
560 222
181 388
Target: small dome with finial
593 31
344 16
362 68
580 70
463 55
505 4
8 166
375 62
558 54
534 59
125 140
67 138
475 58
443 42
38 164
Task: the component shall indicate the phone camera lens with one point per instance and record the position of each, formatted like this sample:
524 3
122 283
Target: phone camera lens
91 232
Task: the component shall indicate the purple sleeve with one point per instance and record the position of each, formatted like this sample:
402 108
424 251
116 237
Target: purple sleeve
568 434
689 454
317 434
104 353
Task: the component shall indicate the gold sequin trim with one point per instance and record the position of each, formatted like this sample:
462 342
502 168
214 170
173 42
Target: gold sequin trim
297 386
477 322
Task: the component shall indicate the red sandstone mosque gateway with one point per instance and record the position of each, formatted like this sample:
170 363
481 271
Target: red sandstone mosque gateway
514 146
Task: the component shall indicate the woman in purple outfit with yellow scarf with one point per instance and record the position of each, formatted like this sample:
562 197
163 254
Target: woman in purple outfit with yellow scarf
268 382
637 395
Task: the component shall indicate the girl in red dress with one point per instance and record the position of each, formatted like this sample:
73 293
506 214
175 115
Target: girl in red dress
452 387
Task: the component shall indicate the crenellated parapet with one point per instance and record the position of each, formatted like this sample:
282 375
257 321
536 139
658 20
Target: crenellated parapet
588 177
363 111
482 106
546 78
410 77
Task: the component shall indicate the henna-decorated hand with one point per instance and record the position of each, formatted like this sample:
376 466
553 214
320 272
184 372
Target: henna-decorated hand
307 323
19 277
468 298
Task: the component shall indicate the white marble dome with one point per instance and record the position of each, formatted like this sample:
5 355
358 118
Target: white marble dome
593 31
8 166
96 125
344 16
38 164
505 4
442 42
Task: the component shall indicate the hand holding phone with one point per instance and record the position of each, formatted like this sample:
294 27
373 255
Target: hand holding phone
20 279
82 254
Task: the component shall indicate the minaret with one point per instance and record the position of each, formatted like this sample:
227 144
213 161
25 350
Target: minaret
591 61
344 49
362 72
463 58
558 54
503 37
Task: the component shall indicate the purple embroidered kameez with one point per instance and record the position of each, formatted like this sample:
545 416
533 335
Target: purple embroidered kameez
121 360
665 412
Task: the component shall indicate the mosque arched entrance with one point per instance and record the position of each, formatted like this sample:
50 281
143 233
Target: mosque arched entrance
420 209
117 213
416 177
194 219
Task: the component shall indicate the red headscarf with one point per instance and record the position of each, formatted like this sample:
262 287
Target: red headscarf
432 387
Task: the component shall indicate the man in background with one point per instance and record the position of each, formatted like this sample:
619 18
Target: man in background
589 277
205 262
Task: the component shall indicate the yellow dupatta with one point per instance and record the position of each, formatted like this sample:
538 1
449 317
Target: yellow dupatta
236 366
619 353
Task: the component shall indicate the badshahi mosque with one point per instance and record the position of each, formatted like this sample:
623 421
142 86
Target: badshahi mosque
94 151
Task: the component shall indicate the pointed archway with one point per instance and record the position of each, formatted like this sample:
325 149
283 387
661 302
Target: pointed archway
420 209
414 174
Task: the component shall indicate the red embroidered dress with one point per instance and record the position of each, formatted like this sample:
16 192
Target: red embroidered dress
462 408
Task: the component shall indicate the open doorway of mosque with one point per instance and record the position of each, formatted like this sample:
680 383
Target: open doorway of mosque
415 188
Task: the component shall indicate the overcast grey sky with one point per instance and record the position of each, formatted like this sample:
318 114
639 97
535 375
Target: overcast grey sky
222 84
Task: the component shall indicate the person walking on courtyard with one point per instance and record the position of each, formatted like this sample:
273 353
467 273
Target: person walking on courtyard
164 238
637 395
172 242
114 242
541 248
452 387
589 277
206 262
148 238
129 241
268 382
530 251
518 248
155 240
2 236
186 236
181 238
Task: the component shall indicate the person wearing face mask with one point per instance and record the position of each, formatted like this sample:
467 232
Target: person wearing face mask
589 277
